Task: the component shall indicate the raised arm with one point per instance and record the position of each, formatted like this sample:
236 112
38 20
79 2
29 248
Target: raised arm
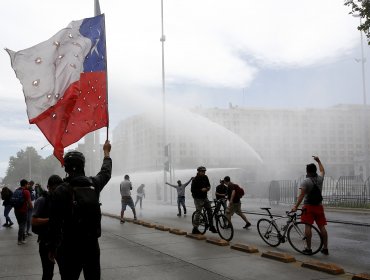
321 167
174 186
188 182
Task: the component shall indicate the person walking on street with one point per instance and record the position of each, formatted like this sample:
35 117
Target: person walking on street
29 212
40 222
6 194
235 205
180 195
199 188
20 210
140 194
75 218
313 210
126 199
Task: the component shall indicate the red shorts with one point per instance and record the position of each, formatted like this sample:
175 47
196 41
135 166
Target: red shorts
313 213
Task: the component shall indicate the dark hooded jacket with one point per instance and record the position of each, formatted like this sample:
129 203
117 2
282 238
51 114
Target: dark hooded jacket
60 224
199 182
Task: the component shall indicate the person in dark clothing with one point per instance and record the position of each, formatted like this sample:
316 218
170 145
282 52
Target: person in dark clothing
199 189
221 194
6 194
234 203
73 245
40 220
21 212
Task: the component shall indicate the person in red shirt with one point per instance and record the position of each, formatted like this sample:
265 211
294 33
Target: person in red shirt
21 212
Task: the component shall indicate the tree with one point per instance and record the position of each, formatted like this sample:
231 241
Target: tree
361 9
30 165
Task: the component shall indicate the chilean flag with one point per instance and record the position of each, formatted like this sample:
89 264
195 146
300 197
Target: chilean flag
64 82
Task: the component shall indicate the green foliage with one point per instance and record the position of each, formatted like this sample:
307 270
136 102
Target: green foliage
362 10
30 165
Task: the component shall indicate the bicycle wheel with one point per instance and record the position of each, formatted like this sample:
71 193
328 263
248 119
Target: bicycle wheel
298 240
202 224
268 232
224 227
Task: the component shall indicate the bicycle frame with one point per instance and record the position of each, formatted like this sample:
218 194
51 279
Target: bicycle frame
282 230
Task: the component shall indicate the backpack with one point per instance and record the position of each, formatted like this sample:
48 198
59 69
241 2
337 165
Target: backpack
44 213
314 197
6 193
86 213
239 191
17 198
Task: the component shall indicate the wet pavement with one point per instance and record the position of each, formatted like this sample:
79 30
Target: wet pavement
131 251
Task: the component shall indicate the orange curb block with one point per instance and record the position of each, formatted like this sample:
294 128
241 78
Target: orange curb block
130 220
324 267
285 258
361 276
162 228
138 222
147 224
177 231
196 236
217 241
244 248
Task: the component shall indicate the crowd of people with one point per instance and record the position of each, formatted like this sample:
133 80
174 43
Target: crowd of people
67 218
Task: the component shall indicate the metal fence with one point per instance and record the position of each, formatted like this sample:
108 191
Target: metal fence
347 191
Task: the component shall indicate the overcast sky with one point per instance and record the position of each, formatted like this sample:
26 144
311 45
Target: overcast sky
286 54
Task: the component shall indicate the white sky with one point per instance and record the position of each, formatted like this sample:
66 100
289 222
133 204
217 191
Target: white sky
214 51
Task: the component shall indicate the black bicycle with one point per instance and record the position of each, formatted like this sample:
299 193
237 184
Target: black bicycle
293 231
224 226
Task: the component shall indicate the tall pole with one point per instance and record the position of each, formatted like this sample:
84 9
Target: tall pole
366 135
363 68
366 170
163 39
29 164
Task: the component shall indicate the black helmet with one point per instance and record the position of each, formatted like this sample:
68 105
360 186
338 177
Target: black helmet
201 168
74 159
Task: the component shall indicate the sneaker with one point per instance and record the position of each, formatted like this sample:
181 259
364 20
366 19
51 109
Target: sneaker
5 225
28 234
184 212
22 242
247 225
179 215
195 231
122 221
213 229
135 219
10 224
307 251
325 251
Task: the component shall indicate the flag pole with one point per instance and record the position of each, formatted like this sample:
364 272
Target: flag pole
96 13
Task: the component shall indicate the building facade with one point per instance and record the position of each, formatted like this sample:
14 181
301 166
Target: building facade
285 140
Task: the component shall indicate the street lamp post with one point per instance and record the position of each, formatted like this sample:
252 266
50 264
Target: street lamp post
163 39
364 119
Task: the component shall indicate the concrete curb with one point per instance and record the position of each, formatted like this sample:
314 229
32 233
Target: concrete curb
244 248
162 228
285 258
324 267
177 231
217 241
148 224
196 236
361 276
